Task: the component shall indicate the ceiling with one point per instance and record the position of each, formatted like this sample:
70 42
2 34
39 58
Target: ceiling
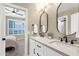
25 5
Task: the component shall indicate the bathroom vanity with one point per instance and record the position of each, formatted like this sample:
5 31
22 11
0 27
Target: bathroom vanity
38 48
42 46
67 25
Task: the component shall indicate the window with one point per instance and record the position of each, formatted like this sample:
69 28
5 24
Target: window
15 27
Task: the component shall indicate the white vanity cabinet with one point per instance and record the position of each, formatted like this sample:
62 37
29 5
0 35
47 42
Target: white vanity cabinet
51 52
32 47
38 49
35 48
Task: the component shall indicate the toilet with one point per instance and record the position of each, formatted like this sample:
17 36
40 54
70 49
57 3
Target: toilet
11 46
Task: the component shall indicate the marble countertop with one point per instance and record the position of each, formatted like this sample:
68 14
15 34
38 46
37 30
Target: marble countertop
66 52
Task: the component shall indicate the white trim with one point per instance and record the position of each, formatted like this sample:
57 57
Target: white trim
14 6
26 35
10 15
2 30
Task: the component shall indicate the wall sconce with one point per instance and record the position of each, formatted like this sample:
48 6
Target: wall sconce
41 6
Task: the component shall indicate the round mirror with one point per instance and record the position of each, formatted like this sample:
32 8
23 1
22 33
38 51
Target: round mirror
67 18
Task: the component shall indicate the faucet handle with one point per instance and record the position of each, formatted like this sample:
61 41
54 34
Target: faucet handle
72 41
61 39
65 37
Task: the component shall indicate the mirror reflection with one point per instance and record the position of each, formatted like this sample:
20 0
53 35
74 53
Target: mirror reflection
43 22
67 18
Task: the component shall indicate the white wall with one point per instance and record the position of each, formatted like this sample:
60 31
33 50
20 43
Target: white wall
34 14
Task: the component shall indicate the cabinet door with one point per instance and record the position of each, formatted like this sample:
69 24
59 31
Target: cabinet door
32 47
39 49
2 30
51 52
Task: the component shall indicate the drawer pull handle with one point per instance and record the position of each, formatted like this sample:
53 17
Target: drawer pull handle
34 51
38 46
38 54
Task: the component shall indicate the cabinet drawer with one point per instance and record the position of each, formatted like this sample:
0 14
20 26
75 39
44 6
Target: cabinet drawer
39 46
32 48
39 49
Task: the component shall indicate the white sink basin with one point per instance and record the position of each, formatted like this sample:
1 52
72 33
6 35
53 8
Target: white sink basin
65 47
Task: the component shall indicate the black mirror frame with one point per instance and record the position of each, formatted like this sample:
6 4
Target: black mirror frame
57 17
57 21
40 25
